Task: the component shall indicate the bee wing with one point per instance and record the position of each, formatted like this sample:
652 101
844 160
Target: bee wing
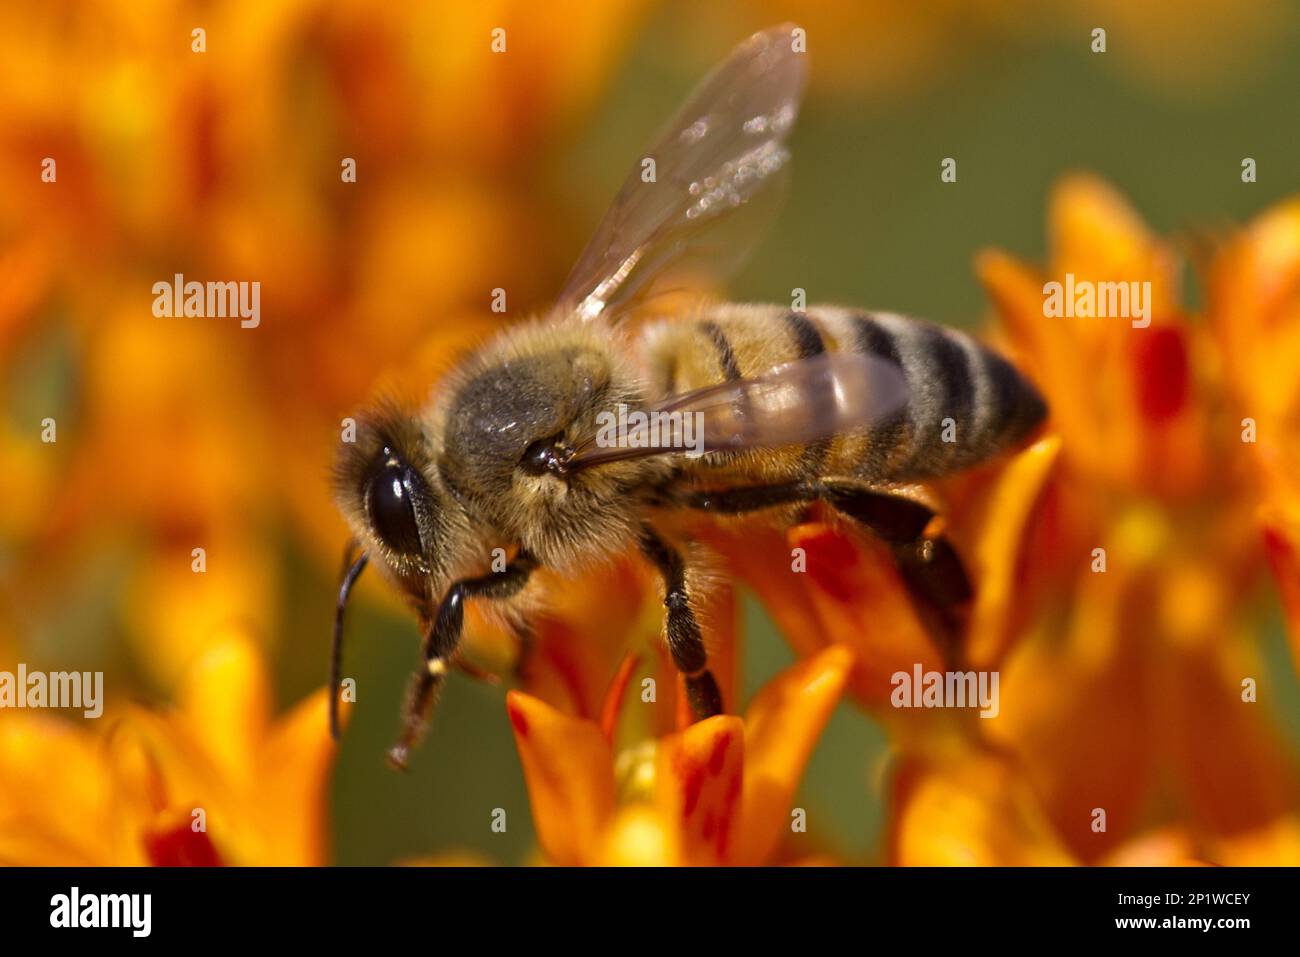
793 404
723 147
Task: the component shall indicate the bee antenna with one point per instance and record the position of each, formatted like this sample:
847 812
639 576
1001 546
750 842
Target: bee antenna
351 572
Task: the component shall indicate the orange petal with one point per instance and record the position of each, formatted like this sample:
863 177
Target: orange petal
613 703
288 808
782 726
178 615
1046 349
1254 310
969 811
1017 292
1168 847
698 781
1073 711
997 538
862 603
1095 233
1097 236
591 621
1274 844
1100 375
761 557
569 770
225 705
1237 771
55 801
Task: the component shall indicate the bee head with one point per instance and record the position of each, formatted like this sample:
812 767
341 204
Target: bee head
393 498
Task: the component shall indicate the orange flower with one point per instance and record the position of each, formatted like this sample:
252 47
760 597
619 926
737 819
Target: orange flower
964 809
958 807
1115 565
216 781
1254 312
1128 686
717 792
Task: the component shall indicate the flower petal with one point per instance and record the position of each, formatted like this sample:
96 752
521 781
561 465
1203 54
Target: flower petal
698 781
1074 712
862 603
1238 774
55 801
225 706
591 620
1167 847
1274 844
997 546
1096 233
782 726
969 811
569 771
1254 310
761 557
288 808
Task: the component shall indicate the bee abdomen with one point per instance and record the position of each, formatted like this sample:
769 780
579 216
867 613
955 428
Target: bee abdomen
965 402
808 340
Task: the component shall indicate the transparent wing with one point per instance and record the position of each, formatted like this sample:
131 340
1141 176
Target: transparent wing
725 146
793 404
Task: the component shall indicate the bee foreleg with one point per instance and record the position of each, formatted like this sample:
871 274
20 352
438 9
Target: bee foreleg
440 647
685 641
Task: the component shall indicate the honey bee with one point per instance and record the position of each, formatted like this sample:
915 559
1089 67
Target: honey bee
781 409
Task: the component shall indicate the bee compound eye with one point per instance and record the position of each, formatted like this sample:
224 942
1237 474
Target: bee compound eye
391 508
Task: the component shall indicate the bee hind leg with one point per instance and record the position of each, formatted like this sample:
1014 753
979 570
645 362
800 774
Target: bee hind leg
930 567
685 640
440 648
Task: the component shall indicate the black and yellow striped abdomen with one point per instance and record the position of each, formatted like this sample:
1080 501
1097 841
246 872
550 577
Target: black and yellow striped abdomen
965 402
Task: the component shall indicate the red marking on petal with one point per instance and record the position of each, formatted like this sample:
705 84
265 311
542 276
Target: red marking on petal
692 777
1163 380
832 563
728 815
518 720
613 703
181 846
733 792
719 753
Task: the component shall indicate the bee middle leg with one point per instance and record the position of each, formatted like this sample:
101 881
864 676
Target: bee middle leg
929 565
440 647
685 640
